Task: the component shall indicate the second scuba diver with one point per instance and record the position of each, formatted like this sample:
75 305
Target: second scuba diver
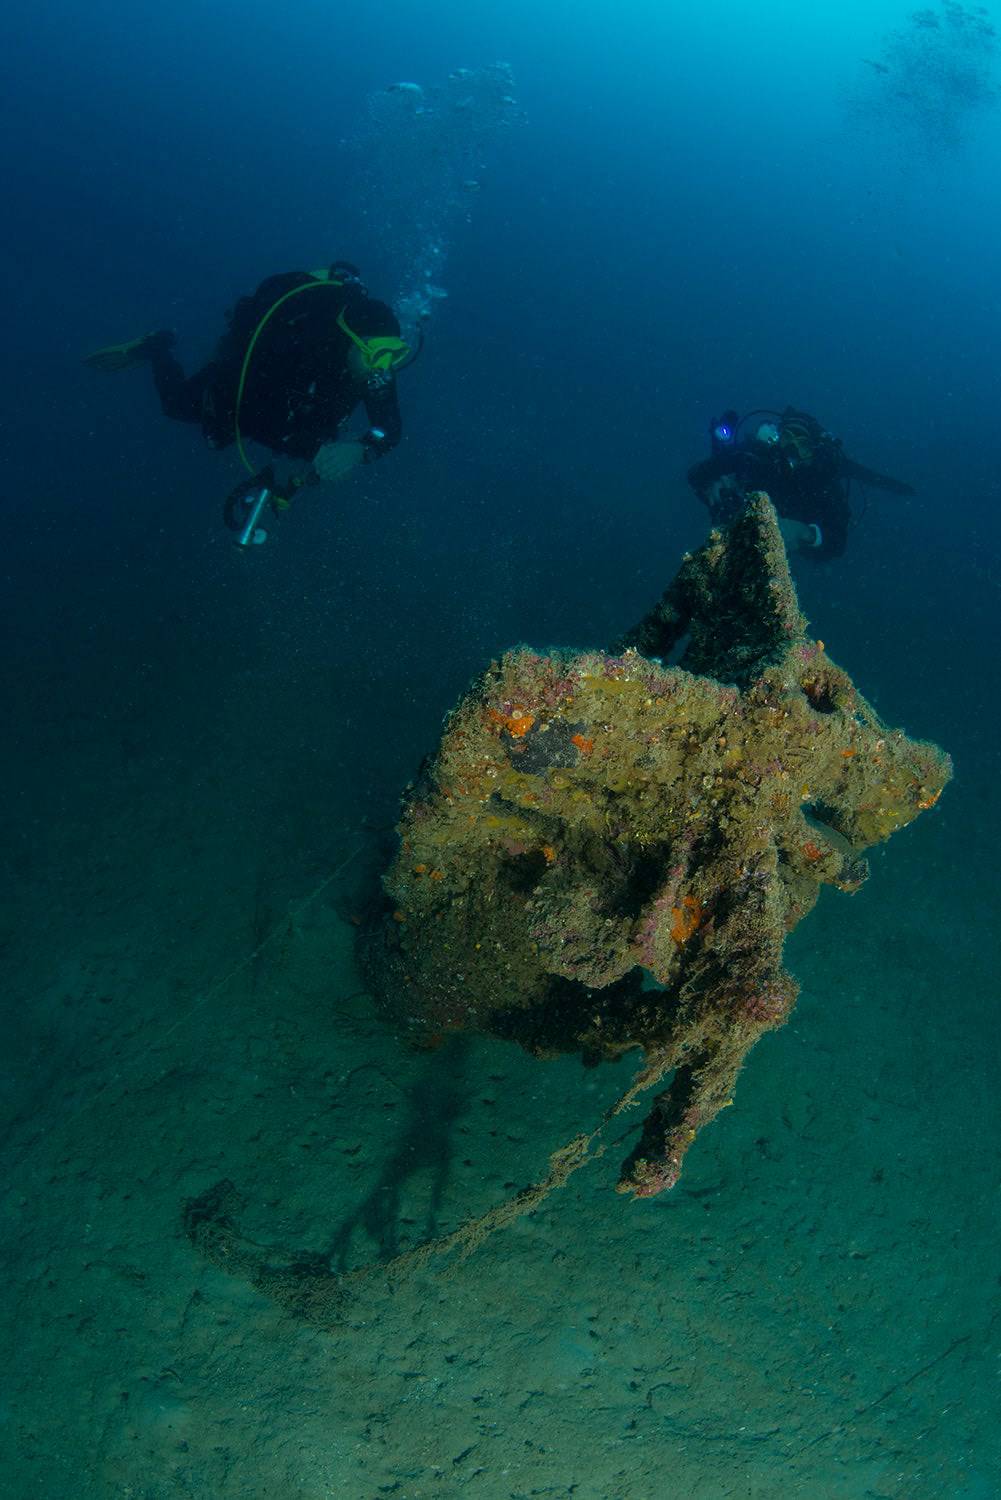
299 355
804 470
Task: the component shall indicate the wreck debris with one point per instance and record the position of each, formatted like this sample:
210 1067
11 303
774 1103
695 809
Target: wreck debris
607 852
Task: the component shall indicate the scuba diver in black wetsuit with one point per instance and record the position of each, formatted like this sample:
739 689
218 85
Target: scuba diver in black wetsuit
803 469
297 358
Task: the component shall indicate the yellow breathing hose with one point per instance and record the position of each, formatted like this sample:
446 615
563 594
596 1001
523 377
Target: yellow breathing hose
306 286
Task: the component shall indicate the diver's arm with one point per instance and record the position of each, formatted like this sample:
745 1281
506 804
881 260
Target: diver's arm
382 407
718 484
335 459
703 474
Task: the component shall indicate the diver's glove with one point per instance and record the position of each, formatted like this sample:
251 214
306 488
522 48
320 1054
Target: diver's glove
799 536
335 461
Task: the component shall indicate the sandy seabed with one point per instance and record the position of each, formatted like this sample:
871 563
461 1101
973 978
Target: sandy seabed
811 1313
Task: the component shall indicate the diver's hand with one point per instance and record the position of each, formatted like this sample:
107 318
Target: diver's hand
799 537
334 461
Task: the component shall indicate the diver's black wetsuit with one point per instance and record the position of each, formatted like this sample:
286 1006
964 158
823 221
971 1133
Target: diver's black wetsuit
808 479
811 490
298 389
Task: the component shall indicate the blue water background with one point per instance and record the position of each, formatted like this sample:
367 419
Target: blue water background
684 221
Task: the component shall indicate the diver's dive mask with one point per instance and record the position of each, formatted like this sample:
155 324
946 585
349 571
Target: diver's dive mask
381 356
796 442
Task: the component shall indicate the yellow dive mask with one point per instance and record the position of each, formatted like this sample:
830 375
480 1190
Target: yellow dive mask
379 355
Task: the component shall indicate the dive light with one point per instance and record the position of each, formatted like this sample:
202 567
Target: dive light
251 532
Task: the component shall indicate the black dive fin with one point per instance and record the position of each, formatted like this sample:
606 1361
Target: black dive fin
878 481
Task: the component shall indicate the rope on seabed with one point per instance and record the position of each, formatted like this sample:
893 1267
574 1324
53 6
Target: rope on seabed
303 1282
